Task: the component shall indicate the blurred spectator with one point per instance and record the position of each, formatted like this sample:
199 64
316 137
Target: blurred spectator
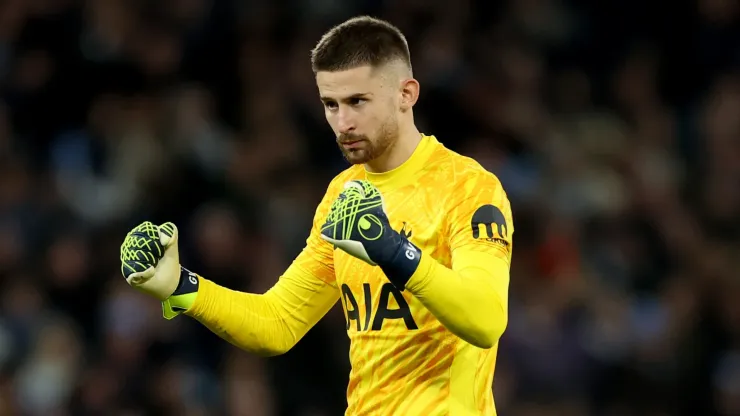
614 127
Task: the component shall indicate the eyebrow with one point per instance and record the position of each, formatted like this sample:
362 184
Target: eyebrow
358 95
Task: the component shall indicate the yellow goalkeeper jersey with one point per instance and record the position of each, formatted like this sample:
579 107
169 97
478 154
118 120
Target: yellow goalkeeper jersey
404 361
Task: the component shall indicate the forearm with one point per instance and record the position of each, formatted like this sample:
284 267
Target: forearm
268 324
249 321
471 302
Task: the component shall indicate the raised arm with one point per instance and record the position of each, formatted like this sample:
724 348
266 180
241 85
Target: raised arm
265 324
270 323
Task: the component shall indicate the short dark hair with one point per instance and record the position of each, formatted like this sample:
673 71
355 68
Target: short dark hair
357 42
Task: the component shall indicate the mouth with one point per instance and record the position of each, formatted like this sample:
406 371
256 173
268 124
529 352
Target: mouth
351 144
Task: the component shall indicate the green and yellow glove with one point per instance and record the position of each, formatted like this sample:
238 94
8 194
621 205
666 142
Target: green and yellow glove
357 224
150 262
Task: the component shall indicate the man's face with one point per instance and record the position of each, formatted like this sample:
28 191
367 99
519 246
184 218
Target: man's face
361 105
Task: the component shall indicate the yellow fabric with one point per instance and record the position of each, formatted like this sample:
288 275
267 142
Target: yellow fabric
420 359
268 324
460 298
272 323
412 352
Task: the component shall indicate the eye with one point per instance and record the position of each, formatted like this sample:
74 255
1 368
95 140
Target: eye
331 105
355 101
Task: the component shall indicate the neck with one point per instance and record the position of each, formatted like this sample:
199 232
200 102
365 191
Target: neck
397 153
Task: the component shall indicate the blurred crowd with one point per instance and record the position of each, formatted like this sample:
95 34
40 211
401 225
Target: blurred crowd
614 126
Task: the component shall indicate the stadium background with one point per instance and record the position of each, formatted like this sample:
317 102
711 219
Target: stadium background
614 126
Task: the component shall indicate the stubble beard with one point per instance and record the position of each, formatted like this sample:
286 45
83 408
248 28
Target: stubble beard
368 149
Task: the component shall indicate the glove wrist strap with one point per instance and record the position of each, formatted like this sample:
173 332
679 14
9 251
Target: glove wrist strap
403 265
184 295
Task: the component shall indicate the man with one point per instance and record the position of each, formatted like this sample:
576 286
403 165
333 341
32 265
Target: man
414 239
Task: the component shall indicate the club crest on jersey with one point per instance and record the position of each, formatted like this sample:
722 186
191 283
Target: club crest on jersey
489 223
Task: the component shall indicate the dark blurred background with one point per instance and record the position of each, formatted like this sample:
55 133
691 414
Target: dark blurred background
613 124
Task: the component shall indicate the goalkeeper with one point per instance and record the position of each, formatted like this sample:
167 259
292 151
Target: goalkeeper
414 240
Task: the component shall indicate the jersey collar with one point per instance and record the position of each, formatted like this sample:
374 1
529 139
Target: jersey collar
405 173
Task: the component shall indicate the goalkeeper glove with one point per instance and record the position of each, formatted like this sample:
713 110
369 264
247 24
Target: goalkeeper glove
150 262
358 225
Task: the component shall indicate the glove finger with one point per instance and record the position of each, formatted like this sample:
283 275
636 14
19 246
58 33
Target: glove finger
138 247
145 228
141 248
362 187
141 277
168 234
132 267
354 189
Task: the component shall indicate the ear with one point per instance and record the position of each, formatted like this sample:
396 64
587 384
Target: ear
409 89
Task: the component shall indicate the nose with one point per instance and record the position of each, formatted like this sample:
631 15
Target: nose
345 124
